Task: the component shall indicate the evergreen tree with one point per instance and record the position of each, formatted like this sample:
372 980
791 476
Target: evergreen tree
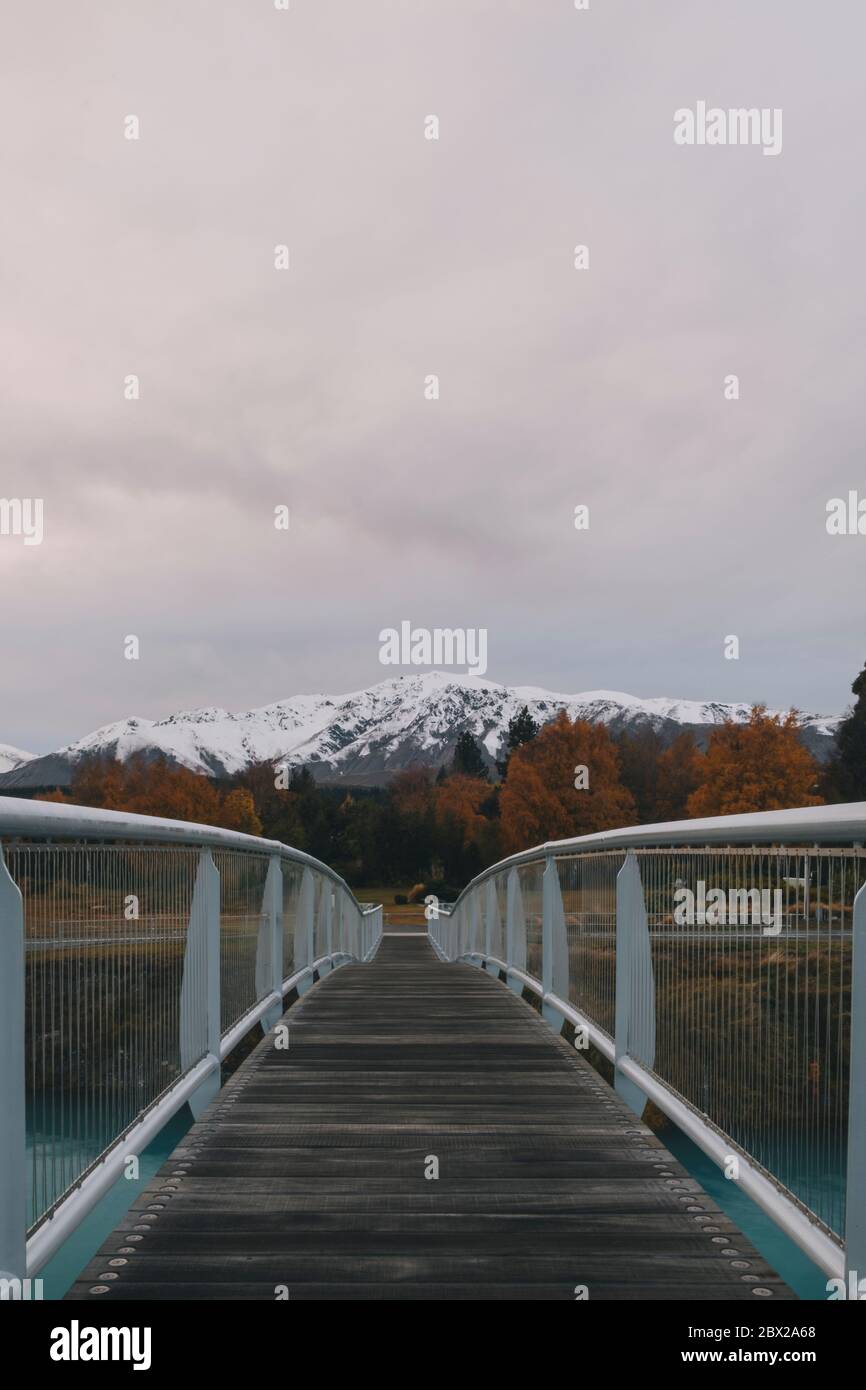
468 758
845 777
639 755
678 775
522 728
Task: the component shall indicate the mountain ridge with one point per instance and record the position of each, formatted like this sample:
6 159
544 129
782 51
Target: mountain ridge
366 737
10 757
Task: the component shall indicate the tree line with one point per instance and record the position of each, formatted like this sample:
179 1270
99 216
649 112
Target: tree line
437 830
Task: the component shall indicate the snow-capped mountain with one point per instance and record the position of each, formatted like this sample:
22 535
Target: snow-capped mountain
366 737
13 757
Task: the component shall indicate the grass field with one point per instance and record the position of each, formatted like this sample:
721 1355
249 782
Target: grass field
396 915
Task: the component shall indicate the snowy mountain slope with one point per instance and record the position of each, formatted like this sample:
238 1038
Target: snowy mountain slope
13 757
367 736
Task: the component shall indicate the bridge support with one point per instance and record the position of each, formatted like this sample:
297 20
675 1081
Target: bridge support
635 985
855 1196
554 945
269 951
515 931
13 1134
200 990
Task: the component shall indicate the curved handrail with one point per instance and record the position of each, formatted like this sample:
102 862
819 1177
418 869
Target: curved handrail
714 963
170 940
20 818
819 825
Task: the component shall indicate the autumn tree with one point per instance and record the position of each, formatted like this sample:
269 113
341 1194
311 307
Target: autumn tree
97 780
151 786
238 812
760 765
154 787
466 838
540 801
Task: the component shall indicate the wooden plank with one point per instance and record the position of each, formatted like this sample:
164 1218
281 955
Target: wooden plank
307 1173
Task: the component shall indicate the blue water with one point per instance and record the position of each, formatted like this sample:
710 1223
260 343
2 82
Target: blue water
788 1260
74 1254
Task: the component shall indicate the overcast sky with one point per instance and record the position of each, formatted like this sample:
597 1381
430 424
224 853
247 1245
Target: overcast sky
409 257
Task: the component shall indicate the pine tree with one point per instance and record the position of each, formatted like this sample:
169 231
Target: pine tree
678 775
468 758
639 755
846 773
522 728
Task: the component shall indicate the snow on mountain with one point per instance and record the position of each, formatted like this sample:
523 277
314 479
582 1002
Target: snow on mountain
13 757
365 737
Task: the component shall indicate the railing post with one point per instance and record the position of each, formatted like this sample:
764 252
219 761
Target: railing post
515 931
269 953
200 1029
855 1191
474 923
13 1133
635 984
491 911
342 921
305 929
554 945
326 913
348 926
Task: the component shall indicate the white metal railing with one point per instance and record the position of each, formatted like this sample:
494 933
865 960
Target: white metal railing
135 953
719 966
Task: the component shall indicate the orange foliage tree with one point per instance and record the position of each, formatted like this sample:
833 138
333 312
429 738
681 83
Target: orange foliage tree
757 766
153 787
466 836
539 801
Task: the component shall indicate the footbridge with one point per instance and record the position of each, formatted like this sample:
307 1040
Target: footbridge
474 1112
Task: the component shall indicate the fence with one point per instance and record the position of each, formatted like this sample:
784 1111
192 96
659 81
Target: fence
720 967
135 953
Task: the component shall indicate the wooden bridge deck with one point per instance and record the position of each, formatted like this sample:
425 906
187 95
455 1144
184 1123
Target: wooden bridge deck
306 1176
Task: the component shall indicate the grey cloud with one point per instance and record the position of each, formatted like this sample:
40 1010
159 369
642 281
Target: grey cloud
410 257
